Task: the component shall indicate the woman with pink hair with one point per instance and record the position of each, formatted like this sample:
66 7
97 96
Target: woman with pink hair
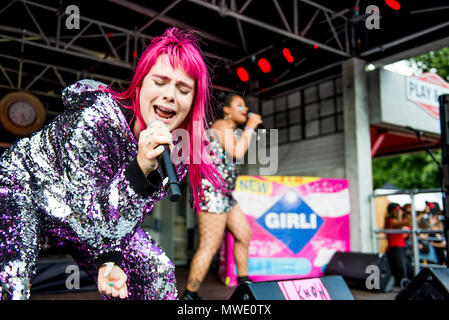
89 177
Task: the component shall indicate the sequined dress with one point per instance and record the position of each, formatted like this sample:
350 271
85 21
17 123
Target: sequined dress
215 200
72 181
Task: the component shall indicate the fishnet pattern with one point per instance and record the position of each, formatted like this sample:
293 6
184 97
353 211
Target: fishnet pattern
238 225
211 228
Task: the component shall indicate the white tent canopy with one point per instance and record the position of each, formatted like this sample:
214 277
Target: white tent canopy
402 199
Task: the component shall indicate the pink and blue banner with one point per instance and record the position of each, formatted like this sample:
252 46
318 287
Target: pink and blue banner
297 224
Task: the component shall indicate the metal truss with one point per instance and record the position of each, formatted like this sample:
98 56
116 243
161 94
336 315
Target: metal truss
53 75
171 21
292 32
122 56
132 40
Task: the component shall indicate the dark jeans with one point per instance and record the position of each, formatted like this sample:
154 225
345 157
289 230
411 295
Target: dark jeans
399 264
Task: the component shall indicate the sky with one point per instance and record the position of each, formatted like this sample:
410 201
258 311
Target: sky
403 67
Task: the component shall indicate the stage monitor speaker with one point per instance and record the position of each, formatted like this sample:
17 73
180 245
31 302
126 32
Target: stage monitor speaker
324 288
429 284
353 267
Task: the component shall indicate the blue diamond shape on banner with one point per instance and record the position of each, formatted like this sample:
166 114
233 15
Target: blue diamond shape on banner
291 220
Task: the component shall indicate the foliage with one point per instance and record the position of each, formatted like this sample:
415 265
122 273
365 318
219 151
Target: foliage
436 61
418 170
407 171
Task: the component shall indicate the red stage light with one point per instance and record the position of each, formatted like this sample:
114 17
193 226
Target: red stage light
393 4
264 65
315 46
288 55
242 74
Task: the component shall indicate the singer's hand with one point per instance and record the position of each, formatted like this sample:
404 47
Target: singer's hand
113 285
254 120
149 148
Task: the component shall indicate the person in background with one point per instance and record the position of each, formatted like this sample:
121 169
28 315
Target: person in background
439 243
407 214
431 208
427 252
396 250
407 218
219 210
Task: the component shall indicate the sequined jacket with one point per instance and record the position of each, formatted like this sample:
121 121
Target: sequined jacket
80 171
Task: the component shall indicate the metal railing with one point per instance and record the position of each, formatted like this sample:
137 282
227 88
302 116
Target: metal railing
415 231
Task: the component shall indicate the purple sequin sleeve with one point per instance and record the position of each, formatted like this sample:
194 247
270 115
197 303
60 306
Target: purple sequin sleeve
69 181
90 146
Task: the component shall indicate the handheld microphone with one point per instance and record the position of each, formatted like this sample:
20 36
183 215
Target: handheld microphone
169 177
260 126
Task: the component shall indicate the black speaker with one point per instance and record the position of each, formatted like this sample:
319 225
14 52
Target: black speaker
353 267
429 284
324 288
444 175
51 277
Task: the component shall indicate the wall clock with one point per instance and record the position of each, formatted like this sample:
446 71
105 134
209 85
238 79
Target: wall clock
21 113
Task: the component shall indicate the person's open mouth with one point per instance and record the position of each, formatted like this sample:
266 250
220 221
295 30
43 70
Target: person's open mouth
164 112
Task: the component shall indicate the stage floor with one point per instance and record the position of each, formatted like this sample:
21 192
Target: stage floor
212 289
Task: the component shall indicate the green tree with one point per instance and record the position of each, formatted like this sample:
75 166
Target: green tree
418 170
437 61
407 171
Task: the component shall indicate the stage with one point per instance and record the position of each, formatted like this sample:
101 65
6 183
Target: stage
212 289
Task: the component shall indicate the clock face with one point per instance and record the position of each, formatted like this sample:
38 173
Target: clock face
22 113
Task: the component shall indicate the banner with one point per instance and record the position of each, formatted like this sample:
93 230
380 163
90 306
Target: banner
297 224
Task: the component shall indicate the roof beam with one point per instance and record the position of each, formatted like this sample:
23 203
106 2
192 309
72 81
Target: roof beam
404 39
170 21
73 53
245 6
159 15
239 26
413 52
330 66
281 14
266 26
325 9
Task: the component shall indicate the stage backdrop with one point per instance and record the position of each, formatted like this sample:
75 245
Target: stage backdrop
297 224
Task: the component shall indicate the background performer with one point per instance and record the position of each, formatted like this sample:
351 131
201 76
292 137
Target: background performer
219 210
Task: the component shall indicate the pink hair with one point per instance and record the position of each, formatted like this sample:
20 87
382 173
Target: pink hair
182 50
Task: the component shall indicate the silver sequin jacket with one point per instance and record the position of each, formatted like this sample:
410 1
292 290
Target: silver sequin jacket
73 171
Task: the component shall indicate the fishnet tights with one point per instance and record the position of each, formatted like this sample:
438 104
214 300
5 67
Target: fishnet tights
211 228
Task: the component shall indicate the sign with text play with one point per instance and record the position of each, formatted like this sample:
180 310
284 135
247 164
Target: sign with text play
424 91
398 101
297 224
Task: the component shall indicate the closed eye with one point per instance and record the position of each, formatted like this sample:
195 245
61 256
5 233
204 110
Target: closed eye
183 89
184 92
